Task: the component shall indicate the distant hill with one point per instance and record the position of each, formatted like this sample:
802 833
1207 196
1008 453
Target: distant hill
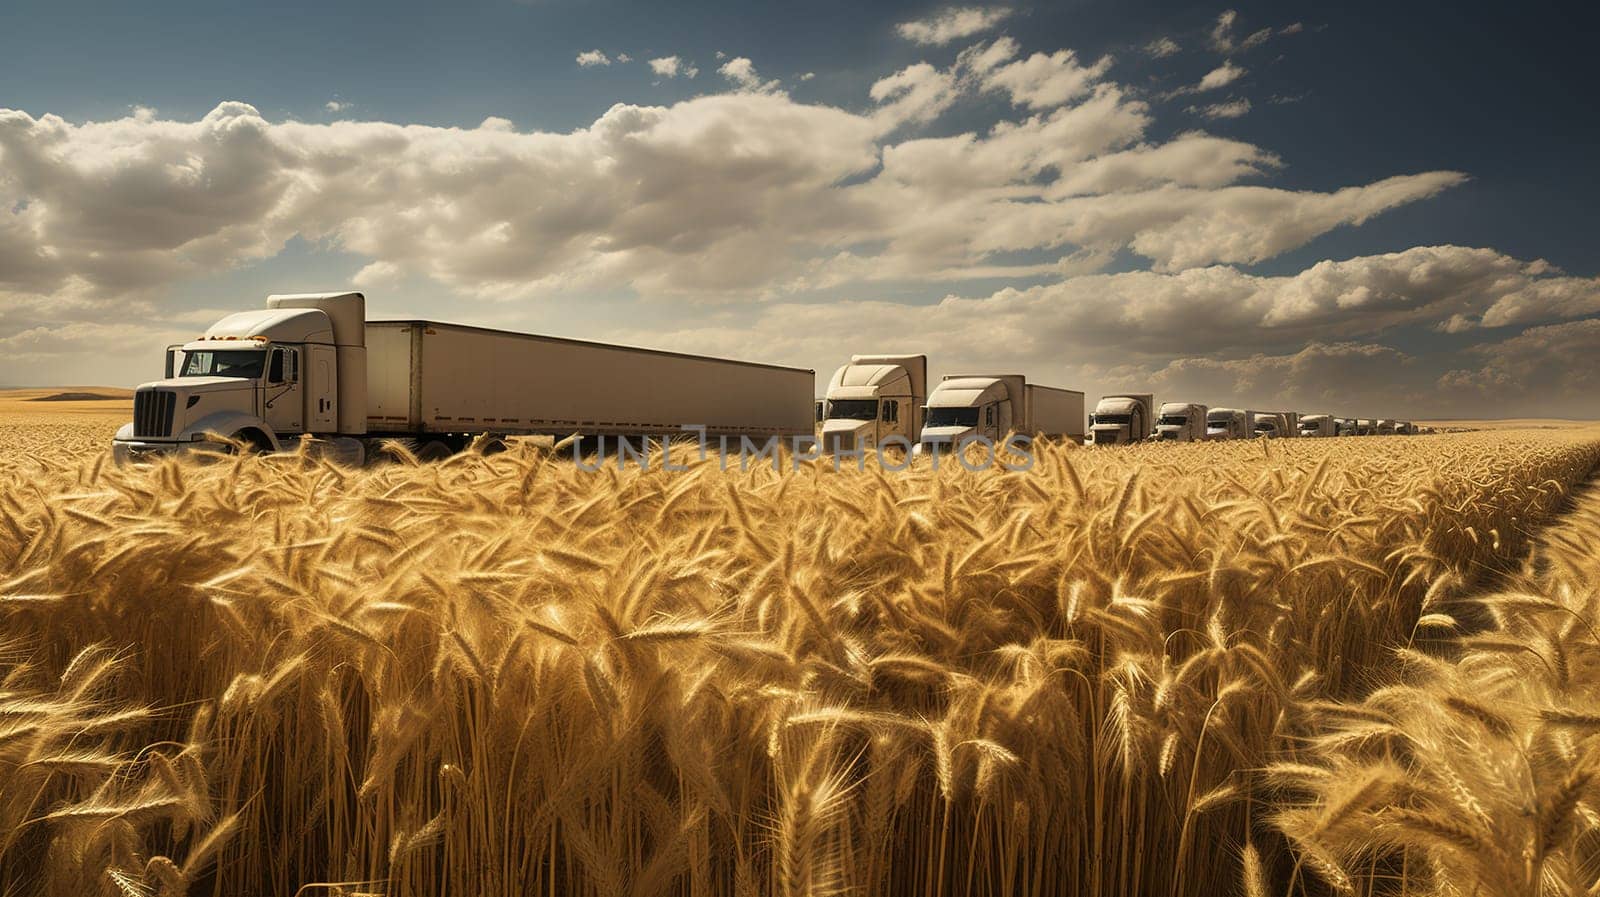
78 397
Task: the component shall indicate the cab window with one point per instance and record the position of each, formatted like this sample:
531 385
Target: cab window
891 412
284 367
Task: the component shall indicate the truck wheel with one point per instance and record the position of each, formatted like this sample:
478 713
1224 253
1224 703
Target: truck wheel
489 444
250 442
433 451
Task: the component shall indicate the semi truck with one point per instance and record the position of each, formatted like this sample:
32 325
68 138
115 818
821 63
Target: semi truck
1227 423
1386 427
1318 426
1181 422
994 405
873 398
1366 426
1344 426
1269 424
1124 418
311 364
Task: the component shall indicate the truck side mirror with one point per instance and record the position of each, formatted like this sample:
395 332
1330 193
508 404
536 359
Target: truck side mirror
275 368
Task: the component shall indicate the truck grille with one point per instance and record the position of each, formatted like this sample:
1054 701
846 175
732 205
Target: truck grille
152 412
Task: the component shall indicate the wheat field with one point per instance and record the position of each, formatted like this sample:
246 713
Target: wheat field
1361 665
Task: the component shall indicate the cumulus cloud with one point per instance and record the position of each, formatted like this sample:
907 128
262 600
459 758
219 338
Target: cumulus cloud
672 67
1043 81
336 106
952 24
729 193
742 72
591 58
1542 371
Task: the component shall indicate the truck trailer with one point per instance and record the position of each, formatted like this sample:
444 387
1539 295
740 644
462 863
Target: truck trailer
994 405
311 364
1227 423
1120 419
873 398
1181 422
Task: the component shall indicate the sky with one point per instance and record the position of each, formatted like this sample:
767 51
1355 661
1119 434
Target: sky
1377 210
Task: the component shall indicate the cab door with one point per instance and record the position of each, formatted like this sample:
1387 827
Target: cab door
322 396
282 393
889 420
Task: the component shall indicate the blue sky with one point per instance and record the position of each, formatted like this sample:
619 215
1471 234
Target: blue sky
1485 109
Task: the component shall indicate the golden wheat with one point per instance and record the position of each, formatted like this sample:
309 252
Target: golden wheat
502 675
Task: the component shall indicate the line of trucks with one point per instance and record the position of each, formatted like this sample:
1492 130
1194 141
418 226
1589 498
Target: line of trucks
313 365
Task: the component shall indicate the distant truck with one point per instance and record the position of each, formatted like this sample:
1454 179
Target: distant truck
1227 423
1121 419
1366 426
1181 422
311 364
1318 426
1291 422
1386 427
1270 424
994 405
873 398
1405 428
1344 426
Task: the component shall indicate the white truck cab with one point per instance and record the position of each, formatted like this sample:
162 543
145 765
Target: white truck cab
1317 426
1227 423
258 377
1181 422
1121 419
873 398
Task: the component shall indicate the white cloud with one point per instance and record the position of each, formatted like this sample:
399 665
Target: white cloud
742 72
1162 47
1222 31
1043 81
1292 28
1230 109
808 76
952 24
336 106
1543 371
672 67
624 58
1221 76
589 58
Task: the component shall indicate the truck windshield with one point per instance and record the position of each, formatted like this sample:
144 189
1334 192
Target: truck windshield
246 363
1113 418
1173 420
1264 426
952 417
853 409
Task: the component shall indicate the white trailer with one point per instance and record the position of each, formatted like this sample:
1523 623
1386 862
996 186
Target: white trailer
312 365
992 405
1227 423
1123 418
874 398
1181 422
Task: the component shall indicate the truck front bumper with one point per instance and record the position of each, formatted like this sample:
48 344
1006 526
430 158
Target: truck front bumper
124 451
